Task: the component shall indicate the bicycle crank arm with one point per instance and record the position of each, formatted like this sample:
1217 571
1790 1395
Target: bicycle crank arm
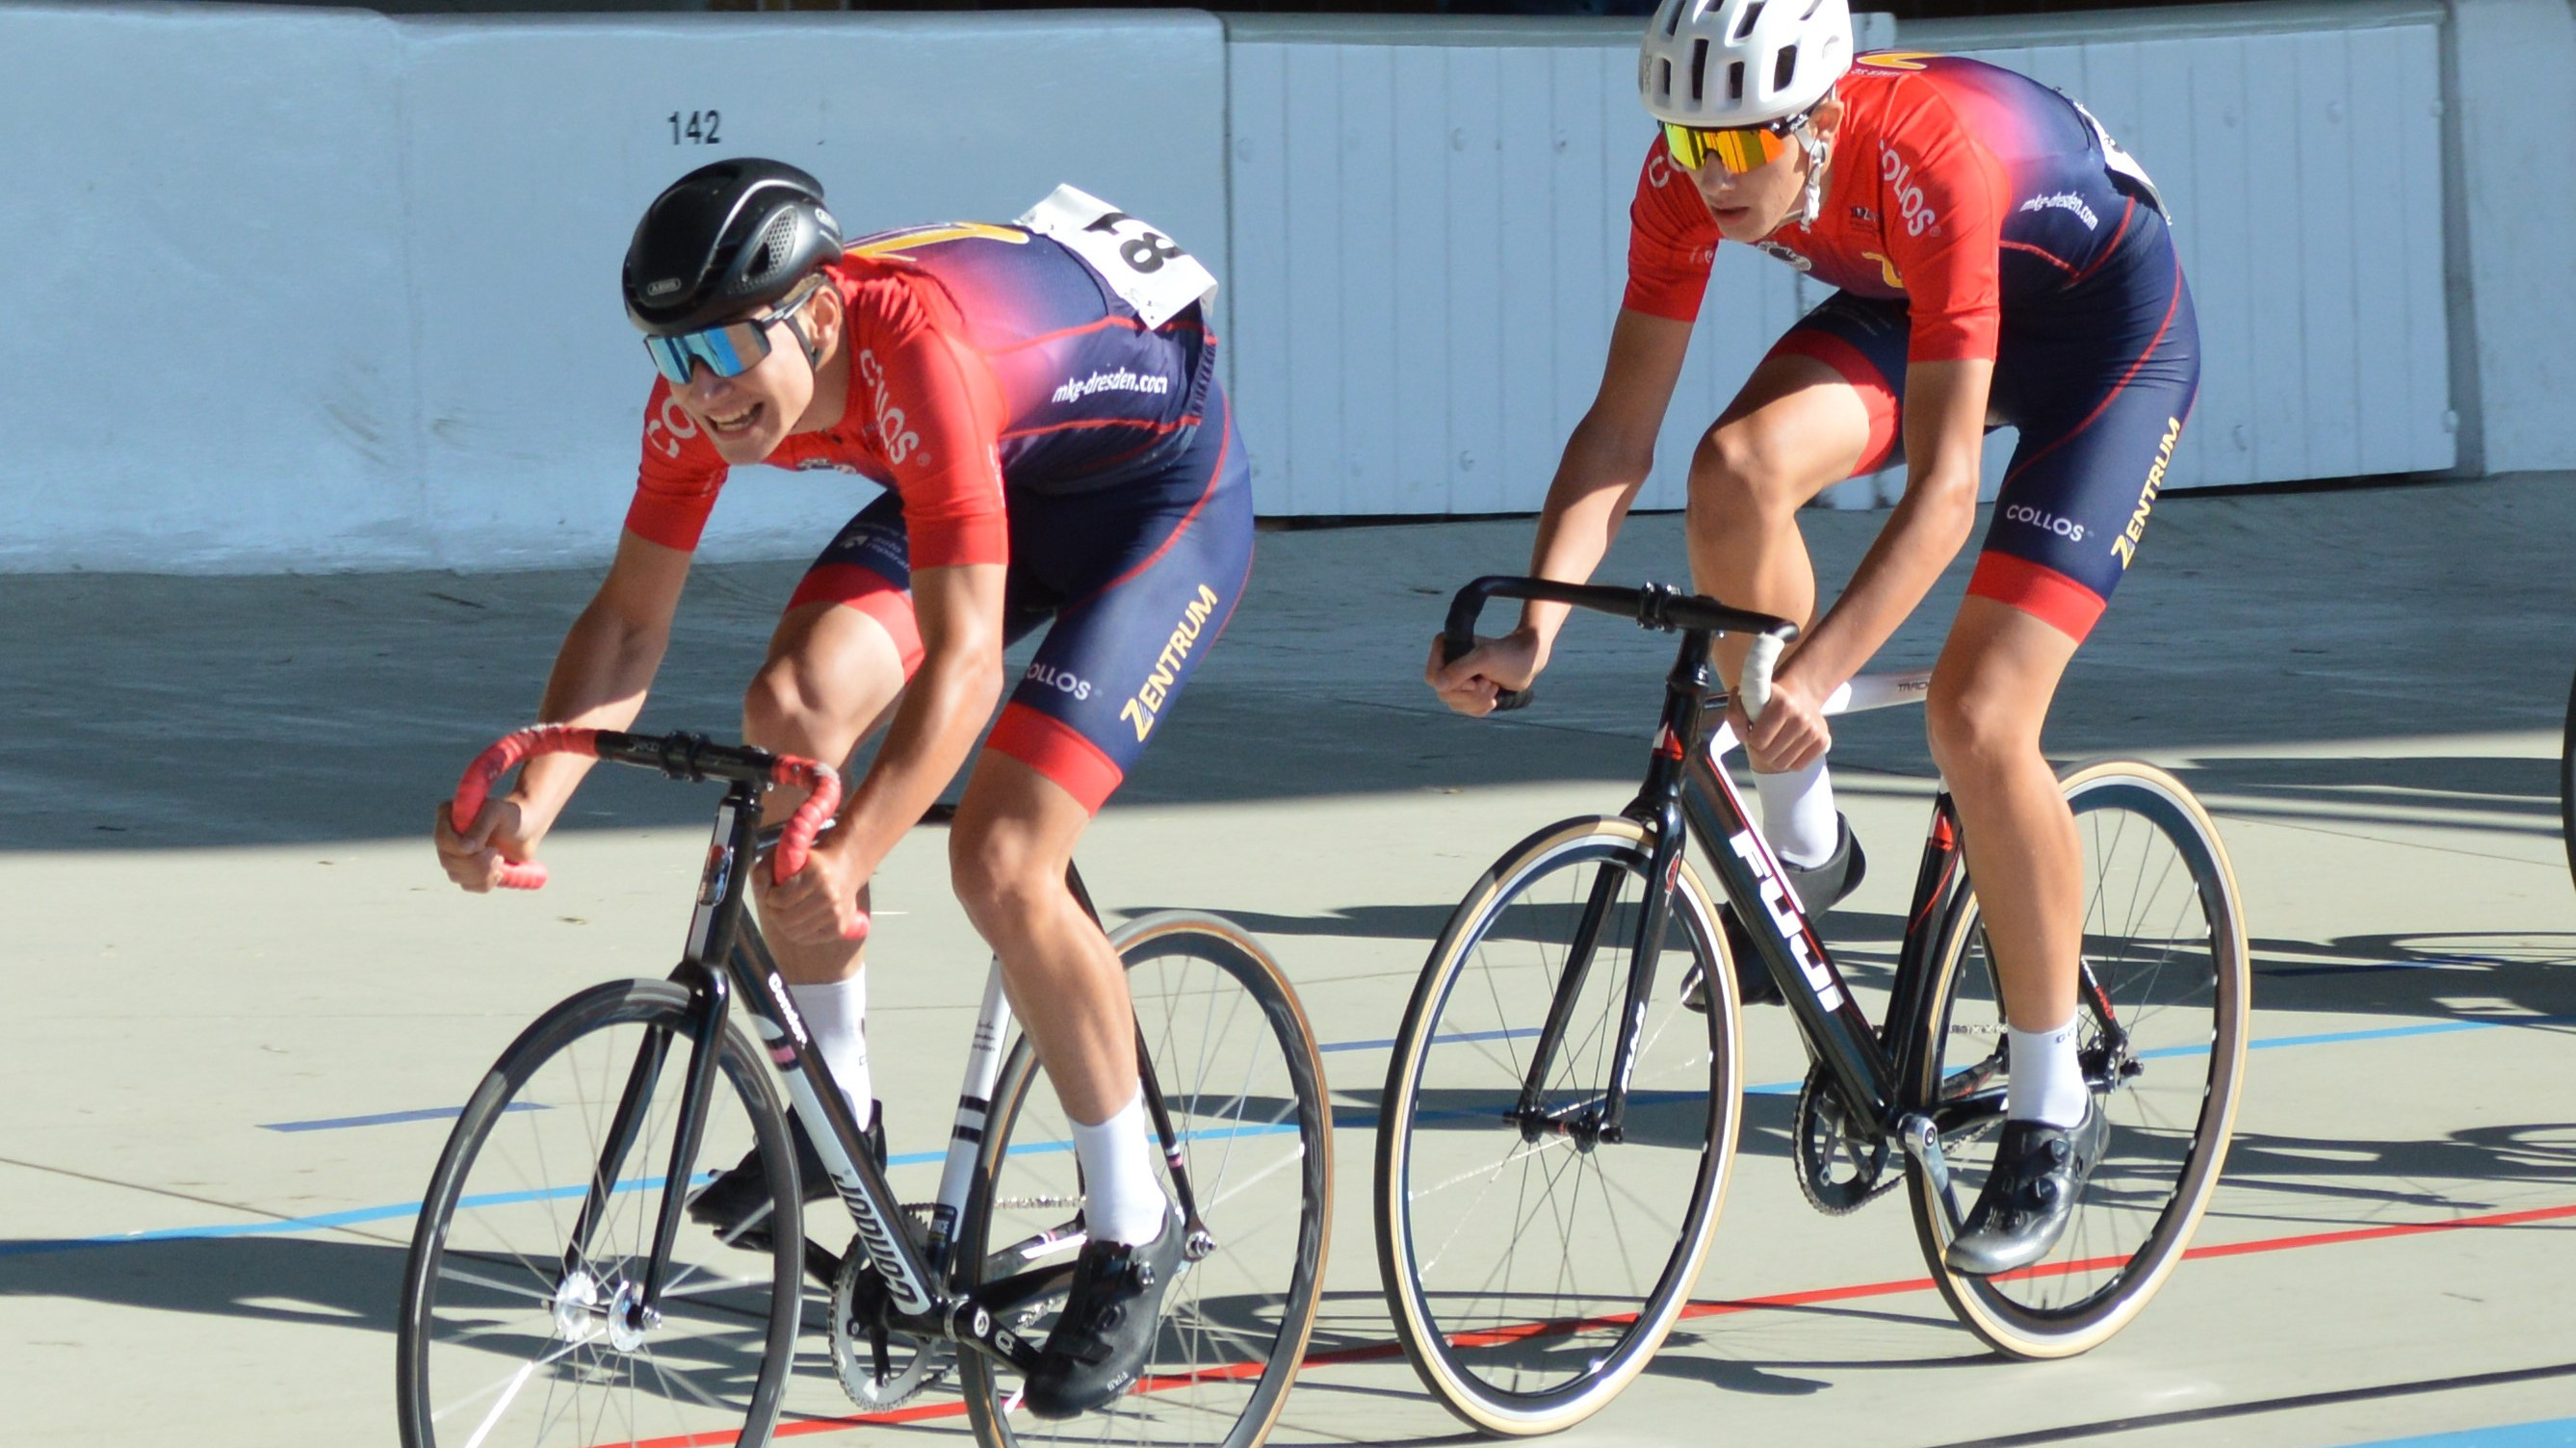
1007 1296
822 1264
1922 1141
977 1326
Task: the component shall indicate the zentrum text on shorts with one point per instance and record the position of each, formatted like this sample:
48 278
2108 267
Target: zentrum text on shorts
1122 380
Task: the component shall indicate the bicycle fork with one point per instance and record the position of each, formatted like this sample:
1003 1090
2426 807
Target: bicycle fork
718 912
1658 807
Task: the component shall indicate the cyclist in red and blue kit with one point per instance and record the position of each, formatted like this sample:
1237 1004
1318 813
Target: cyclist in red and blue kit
1999 260
1040 403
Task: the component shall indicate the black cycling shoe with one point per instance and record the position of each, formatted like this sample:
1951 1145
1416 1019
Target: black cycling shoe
739 1196
2038 1175
1832 882
1101 1340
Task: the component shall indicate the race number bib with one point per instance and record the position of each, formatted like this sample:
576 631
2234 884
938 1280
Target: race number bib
1140 264
2119 162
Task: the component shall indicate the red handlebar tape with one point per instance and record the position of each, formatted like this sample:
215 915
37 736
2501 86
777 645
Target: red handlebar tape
821 781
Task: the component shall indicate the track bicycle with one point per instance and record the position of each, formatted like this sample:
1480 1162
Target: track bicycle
2567 782
1559 1122
555 1294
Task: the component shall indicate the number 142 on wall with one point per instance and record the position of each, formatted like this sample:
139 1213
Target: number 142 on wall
695 128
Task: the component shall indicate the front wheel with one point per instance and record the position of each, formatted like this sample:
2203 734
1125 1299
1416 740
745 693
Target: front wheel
2567 782
1533 1262
523 1318
2161 1021
1243 1084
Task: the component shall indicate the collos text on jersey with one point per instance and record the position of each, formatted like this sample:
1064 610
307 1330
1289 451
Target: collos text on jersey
897 443
1898 172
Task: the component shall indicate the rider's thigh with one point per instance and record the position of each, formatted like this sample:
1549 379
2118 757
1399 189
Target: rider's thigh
1991 689
1012 839
1797 428
833 674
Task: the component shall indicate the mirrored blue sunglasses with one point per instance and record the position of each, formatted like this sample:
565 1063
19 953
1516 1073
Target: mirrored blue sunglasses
728 350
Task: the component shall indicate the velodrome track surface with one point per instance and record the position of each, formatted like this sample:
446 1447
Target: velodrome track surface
242 994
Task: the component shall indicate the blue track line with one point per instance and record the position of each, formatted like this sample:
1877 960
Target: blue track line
2556 1433
358 1216
388 1118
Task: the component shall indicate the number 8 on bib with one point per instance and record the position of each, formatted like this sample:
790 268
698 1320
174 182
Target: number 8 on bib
1139 263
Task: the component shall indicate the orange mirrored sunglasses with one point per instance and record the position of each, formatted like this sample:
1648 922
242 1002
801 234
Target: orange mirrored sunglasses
1737 148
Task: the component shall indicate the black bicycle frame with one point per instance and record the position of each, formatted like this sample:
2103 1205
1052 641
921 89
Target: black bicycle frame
1687 795
725 959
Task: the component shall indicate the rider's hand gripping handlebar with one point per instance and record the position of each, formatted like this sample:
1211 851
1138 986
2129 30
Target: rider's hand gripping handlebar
1653 606
681 756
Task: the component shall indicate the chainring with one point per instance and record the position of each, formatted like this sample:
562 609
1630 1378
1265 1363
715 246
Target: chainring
1839 1170
860 1311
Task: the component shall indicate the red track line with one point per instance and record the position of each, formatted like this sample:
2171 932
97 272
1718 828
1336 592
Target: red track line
1379 1352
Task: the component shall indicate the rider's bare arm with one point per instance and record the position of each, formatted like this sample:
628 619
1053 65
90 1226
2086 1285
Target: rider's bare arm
607 663
1605 463
1606 460
600 678
1945 430
944 708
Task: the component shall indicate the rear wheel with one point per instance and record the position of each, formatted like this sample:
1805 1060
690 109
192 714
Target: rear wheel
1241 1079
2567 782
2161 1025
512 1330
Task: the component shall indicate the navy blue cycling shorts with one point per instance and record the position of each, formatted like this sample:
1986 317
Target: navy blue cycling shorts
2099 378
1139 578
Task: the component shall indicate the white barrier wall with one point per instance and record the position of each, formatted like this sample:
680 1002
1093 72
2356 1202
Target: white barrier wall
203 235
1443 213
320 289
2514 229
328 290
2300 149
1431 231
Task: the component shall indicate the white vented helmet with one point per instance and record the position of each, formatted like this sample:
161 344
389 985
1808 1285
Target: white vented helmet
1742 62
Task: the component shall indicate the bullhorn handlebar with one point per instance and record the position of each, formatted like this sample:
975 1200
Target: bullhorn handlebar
1654 606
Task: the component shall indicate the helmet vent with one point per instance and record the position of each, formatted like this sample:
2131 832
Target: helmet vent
1785 67
1735 81
1745 21
1666 91
1673 16
1699 70
772 252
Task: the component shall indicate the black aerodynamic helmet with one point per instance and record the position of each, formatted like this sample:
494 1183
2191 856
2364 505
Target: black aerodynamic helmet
723 240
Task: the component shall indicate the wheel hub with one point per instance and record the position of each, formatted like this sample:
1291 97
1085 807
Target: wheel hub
627 1319
576 1307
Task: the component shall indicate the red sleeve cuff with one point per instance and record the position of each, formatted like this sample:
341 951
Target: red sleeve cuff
1973 337
669 521
1673 303
956 542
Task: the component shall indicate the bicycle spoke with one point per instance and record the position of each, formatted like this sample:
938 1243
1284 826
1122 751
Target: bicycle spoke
569 1360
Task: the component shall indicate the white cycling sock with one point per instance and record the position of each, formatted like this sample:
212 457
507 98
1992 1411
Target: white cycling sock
1798 816
2046 1083
836 1018
1122 1201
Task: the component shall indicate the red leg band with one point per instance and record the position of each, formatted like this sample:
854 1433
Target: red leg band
1053 748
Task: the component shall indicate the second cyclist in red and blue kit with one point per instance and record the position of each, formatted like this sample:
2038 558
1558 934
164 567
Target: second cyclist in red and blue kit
1998 259
1040 403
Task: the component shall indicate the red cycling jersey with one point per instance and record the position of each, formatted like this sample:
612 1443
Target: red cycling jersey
922 416
1944 171
985 361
